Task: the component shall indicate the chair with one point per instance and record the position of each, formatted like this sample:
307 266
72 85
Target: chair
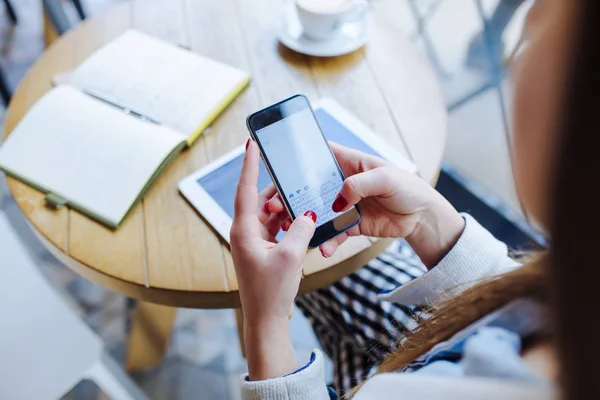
5 91
11 11
46 349
56 21
79 8
53 10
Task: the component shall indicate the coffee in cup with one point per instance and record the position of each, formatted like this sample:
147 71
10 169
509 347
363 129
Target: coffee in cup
323 19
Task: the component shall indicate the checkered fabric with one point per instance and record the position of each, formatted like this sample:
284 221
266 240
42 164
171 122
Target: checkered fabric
354 327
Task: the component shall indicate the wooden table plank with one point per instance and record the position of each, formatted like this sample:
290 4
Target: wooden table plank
212 24
163 19
118 253
349 81
276 71
412 93
182 251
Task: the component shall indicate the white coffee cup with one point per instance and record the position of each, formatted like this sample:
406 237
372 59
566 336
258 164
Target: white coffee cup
323 19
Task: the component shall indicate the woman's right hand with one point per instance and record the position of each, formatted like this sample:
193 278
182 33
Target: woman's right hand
393 203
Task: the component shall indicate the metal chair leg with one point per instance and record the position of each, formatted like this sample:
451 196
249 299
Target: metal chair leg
5 91
11 11
79 8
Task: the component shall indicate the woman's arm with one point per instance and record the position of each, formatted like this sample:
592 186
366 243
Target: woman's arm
269 276
476 255
436 232
394 203
307 383
269 348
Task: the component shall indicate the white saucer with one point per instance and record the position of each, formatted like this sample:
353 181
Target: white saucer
351 37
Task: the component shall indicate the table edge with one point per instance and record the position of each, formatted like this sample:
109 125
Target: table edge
192 299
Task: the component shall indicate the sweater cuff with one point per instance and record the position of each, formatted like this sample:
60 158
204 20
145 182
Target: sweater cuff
306 383
476 255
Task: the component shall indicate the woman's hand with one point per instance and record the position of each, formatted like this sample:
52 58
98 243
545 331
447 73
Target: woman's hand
268 273
393 203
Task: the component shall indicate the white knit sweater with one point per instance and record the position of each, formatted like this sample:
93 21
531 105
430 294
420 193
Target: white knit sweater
476 255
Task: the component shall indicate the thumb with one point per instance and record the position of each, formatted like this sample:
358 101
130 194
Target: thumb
375 182
296 240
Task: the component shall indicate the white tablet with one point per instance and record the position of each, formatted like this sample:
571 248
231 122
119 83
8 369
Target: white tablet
211 190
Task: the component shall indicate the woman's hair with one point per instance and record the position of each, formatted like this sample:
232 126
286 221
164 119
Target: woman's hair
565 277
575 221
453 315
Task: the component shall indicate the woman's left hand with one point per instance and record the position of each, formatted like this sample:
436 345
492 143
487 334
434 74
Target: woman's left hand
268 273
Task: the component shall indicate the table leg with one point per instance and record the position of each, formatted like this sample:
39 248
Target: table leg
239 316
149 336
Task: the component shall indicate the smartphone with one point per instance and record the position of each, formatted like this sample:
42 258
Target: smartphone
301 164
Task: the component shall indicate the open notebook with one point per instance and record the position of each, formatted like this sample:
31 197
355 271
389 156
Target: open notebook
97 144
161 81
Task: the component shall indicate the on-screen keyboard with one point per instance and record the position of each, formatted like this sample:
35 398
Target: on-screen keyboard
318 200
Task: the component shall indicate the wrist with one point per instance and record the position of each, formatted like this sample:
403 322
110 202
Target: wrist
437 231
265 325
269 348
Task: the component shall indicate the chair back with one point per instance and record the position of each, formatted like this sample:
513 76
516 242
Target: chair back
57 15
45 348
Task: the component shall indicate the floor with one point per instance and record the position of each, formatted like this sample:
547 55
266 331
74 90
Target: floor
204 360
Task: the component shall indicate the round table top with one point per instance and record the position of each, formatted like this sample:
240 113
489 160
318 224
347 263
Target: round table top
164 252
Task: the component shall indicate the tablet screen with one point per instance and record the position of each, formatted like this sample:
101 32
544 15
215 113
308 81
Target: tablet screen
222 182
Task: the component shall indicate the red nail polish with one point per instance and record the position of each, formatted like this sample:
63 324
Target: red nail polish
312 215
266 208
247 144
323 254
339 203
285 226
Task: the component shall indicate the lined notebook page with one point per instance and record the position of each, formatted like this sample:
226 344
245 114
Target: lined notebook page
89 153
169 84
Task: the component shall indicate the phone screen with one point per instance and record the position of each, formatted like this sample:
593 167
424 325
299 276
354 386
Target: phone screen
304 167
301 164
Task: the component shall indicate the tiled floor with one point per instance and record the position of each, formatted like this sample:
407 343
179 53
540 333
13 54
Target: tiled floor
204 360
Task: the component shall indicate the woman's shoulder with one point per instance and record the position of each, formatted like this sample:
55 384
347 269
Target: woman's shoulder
413 386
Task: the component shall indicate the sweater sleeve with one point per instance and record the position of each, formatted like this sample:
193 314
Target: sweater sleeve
476 255
308 383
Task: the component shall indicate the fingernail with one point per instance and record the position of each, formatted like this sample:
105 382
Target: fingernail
339 203
285 226
247 144
266 208
323 254
312 215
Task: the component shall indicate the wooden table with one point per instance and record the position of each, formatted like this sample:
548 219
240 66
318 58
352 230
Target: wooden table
165 254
